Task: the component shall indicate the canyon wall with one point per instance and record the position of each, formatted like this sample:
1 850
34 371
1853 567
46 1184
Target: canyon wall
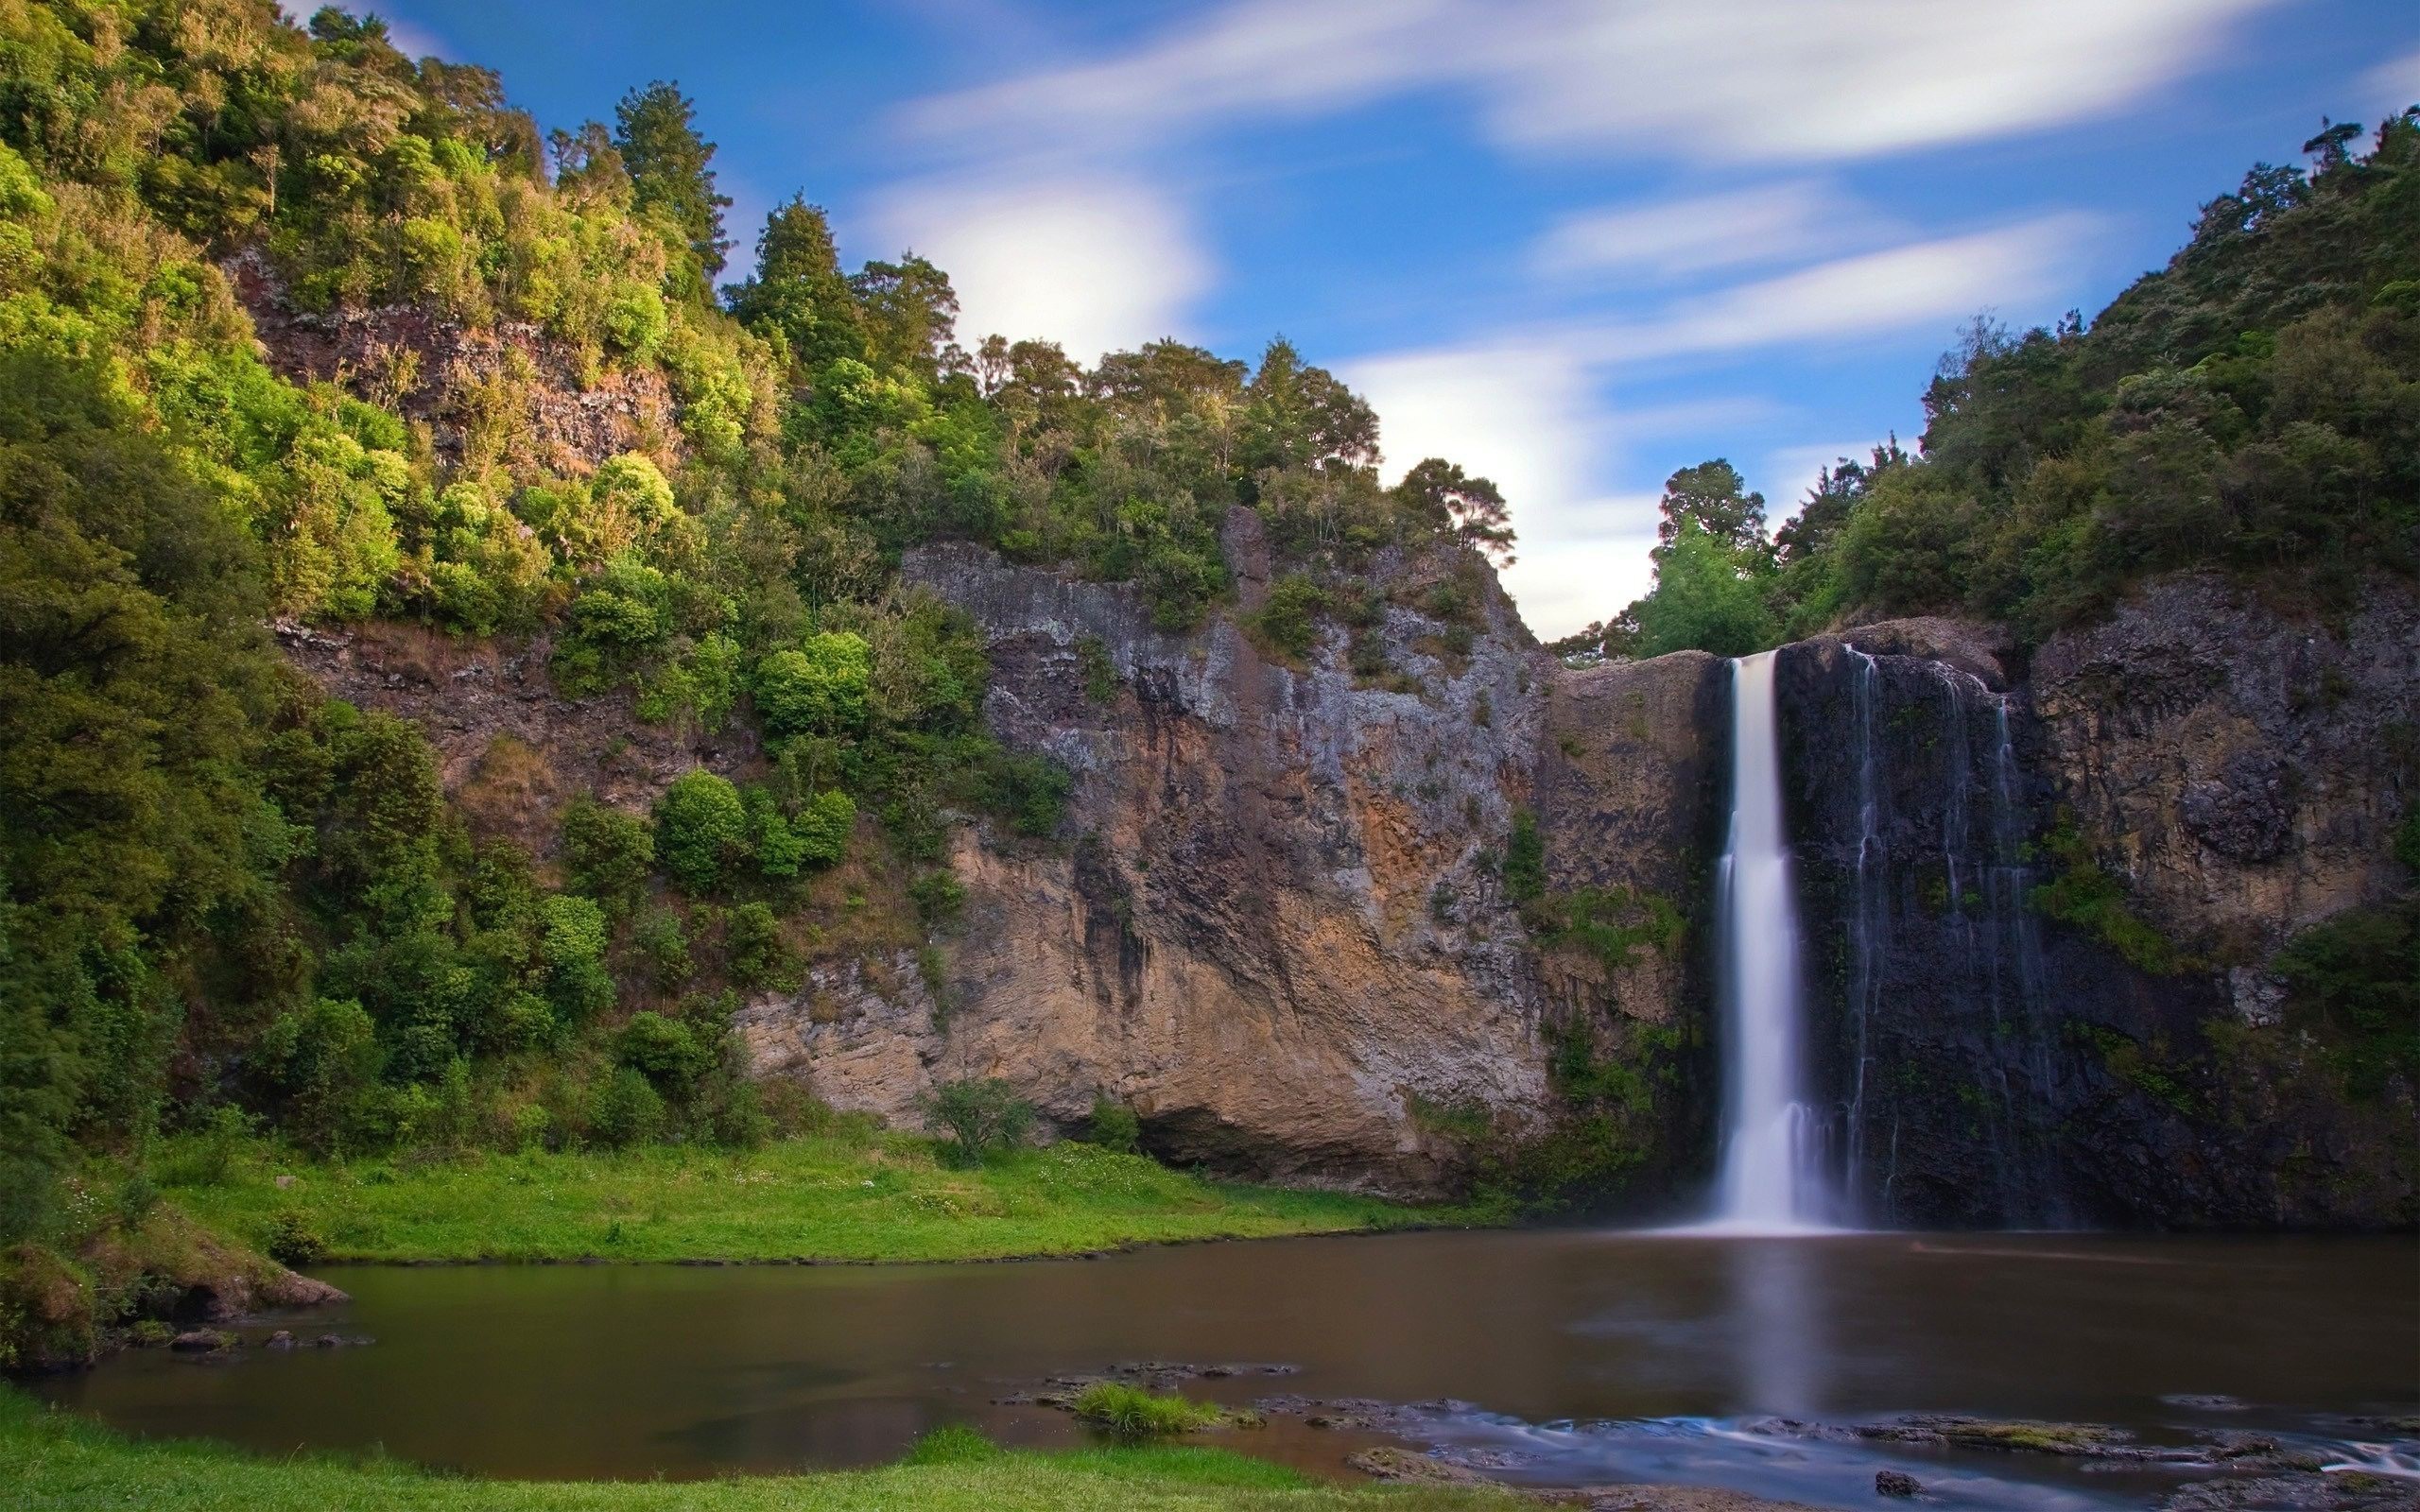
2044 902
1278 920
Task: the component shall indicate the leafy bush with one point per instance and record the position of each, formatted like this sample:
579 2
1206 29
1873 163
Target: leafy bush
607 853
938 897
669 1052
760 955
818 689
1525 859
1288 622
978 1117
700 830
626 1110
1114 1126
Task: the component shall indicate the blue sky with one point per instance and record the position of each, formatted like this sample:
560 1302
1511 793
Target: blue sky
1571 245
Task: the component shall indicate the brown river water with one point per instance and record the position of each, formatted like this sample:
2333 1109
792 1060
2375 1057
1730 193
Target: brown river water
1567 1356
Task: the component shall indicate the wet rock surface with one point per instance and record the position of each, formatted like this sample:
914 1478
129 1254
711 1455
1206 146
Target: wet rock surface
2234 772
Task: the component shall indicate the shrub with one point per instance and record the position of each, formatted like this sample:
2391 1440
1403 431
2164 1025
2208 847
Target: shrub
1030 792
210 1158
978 1117
938 897
667 1051
1288 622
607 852
662 945
955 1444
573 948
1114 1126
324 1058
700 829
1525 859
1130 1412
292 1239
758 954
818 689
626 1110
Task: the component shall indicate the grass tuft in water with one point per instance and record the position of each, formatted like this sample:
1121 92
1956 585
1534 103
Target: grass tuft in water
1130 1412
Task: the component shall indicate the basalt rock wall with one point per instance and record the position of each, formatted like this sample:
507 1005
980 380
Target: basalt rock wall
2209 776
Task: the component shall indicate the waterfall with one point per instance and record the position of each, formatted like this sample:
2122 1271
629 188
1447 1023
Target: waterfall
1772 1178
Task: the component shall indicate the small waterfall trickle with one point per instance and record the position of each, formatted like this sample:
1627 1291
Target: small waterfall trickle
1955 895
1771 1177
1867 920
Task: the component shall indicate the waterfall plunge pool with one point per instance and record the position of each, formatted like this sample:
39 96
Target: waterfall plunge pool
1547 1356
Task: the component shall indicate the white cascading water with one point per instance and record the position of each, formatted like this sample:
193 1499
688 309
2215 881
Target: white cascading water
1772 1179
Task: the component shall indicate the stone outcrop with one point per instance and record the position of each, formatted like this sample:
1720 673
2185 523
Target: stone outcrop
510 749
2231 775
1276 922
539 401
1275 925
2246 769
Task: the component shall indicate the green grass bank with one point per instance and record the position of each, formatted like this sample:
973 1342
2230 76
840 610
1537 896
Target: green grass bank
52 1461
862 1197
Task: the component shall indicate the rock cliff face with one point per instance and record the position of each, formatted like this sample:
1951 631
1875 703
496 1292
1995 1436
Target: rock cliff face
2221 775
1279 921
1276 925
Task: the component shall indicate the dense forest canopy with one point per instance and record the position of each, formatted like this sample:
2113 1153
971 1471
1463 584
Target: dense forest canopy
2253 409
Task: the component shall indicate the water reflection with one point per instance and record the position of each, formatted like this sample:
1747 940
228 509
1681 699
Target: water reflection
1779 1328
1595 1356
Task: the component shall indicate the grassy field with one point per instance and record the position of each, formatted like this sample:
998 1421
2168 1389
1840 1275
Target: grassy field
842 1198
52 1461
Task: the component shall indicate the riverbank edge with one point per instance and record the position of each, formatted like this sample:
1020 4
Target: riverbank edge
53 1460
884 1200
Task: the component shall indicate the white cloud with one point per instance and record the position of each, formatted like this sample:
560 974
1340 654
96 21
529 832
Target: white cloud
1809 80
1526 409
1789 472
1094 262
1915 284
1770 224
1527 416
2394 84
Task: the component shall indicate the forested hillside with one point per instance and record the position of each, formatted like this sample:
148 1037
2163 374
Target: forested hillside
506 397
2252 408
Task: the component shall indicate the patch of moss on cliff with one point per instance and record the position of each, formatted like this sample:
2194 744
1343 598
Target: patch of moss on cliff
2146 1067
2085 895
1613 924
2355 984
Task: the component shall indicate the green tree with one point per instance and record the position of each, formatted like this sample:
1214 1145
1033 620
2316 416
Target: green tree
978 1117
798 292
818 689
607 853
1704 600
1716 499
910 315
668 163
700 830
1437 495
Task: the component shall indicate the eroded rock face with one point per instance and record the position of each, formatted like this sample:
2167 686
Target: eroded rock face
1273 928
1275 925
2247 768
512 751
534 396
2235 776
